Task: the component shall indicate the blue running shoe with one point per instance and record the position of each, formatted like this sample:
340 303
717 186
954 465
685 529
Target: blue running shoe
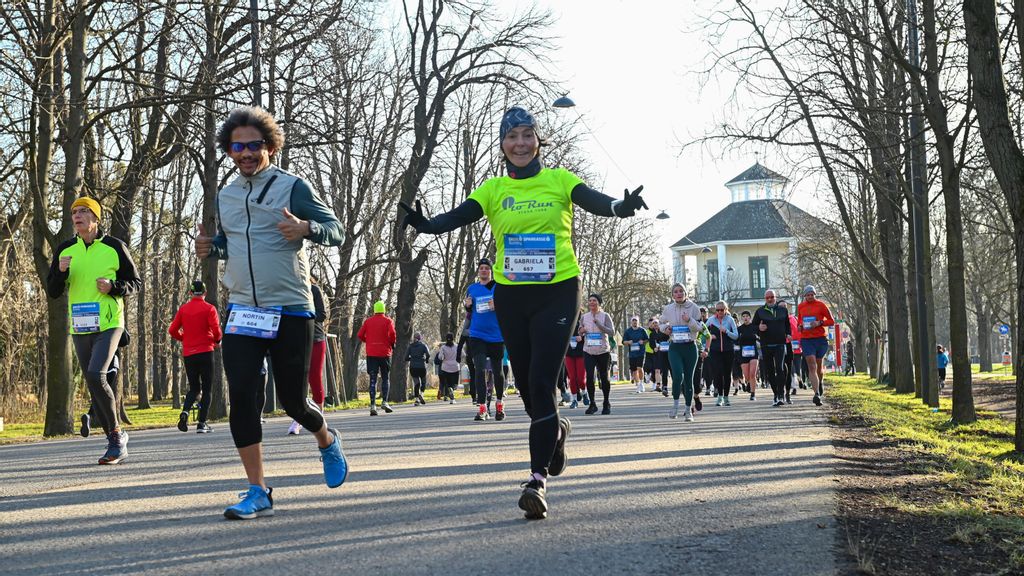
117 448
255 502
335 465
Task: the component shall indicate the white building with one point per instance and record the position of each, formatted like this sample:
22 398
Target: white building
747 247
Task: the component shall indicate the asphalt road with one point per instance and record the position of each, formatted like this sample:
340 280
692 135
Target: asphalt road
743 490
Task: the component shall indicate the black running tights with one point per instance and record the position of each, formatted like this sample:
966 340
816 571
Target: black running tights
536 321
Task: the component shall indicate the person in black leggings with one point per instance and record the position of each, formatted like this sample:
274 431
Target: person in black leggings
723 336
538 287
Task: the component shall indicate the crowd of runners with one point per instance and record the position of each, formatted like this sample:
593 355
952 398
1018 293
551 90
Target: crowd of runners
524 330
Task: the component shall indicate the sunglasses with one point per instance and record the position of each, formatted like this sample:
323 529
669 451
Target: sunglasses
719 309
254 146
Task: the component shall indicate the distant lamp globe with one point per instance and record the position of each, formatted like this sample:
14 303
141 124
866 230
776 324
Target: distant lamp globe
564 102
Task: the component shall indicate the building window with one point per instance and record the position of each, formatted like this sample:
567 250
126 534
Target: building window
758 266
712 272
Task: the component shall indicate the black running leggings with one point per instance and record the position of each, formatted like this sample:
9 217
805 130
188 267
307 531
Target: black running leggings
775 368
536 321
95 353
449 382
481 351
600 362
289 358
199 371
419 380
721 370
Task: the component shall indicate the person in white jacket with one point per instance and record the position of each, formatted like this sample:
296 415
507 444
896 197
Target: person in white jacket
680 320
595 327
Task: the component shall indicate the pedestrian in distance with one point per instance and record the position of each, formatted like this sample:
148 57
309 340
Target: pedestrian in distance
417 356
773 326
486 344
720 350
814 317
378 334
596 326
264 217
196 325
942 361
530 212
636 339
448 357
97 272
680 321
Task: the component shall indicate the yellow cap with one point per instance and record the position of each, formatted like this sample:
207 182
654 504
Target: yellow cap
378 307
89 203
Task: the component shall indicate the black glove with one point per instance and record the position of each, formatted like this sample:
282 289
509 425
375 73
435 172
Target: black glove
413 218
631 202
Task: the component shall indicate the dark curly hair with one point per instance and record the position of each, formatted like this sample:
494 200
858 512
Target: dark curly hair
257 118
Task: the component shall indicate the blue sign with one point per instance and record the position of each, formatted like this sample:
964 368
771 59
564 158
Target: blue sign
1004 329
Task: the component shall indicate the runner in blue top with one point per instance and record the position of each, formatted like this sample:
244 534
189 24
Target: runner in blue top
530 212
636 339
485 342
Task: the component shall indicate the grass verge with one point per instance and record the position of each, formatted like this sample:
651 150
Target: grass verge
980 480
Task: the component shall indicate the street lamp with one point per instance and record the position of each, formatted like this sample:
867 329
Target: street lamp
662 215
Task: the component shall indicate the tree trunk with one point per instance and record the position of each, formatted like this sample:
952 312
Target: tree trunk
141 340
984 62
60 385
409 284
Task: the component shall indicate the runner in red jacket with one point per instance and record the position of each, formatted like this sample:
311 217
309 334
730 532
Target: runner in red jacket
197 327
378 334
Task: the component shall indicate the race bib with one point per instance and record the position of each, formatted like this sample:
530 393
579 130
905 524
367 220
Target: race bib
681 334
796 347
85 317
634 347
808 320
748 351
595 339
663 346
253 321
572 342
483 304
529 257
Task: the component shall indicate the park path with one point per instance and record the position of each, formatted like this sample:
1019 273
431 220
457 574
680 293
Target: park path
743 490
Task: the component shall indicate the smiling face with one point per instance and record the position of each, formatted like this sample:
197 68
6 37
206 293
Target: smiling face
593 304
249 162
84 221
483 273
679 294
520 145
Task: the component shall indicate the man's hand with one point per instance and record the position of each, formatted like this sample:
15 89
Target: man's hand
292 228
104 285
204 243
414 218
64 263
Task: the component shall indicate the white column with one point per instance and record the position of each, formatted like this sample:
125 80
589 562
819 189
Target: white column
721 269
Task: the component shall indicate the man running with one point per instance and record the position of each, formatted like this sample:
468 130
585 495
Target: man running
485 341
636 338
417 356
772 323
197 326
379 336
814 317
264 217
97 272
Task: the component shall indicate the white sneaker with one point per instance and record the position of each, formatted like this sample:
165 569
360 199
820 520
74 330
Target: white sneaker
688 414
673 413
295 428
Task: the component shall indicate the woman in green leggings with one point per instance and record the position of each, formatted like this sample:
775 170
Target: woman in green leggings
680 320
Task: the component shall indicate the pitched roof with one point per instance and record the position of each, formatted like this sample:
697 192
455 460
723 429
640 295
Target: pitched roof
757 172
750 220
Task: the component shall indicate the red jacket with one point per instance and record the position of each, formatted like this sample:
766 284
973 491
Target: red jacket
378 333
819 311
196 326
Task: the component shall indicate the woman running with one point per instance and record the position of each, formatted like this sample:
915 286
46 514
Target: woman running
723 335
748 352
449 375
575 371
680 321
530 214
596 326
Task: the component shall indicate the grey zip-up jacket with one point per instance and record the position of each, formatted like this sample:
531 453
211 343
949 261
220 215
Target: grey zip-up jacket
263 268
672 315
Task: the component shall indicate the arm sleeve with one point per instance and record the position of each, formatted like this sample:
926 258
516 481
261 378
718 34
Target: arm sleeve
127 281
214 320
324 227
362 332
608 327
175 328
732 330
55 279
392 335
829 320
466 213
592 201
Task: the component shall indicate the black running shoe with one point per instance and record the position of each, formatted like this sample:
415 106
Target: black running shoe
86 421
183 421
592 409
817 400
697 405
558 459
607 409
533 500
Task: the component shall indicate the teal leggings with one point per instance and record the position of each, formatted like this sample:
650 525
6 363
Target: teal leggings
683 359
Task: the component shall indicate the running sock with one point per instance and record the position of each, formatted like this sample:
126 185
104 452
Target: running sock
675 403
540 478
